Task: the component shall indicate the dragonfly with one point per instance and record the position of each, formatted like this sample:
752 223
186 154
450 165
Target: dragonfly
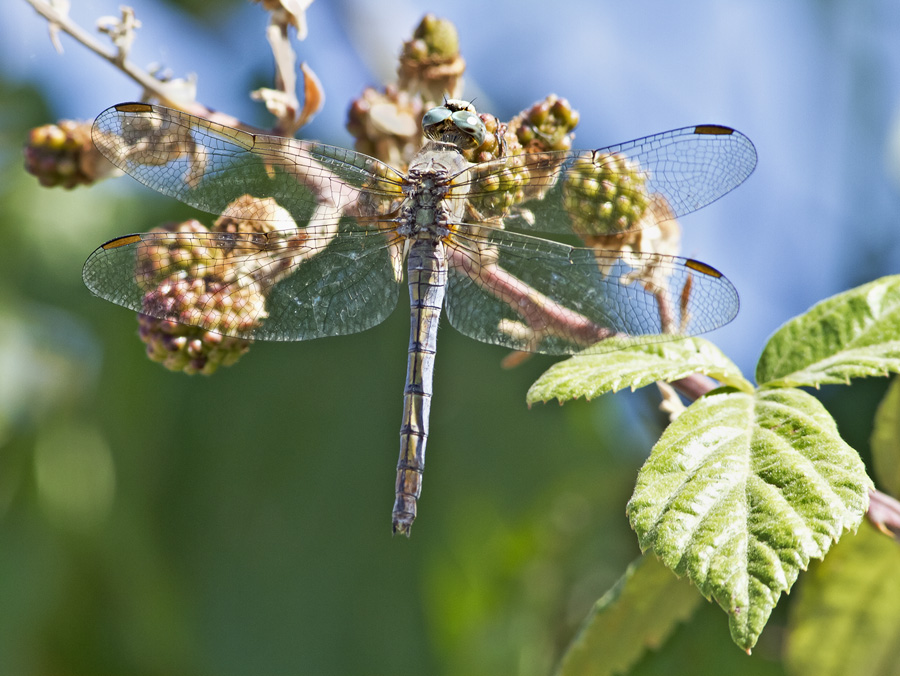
327 233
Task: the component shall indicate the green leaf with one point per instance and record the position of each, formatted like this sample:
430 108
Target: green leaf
741 491
590 375
845 621
886 440
851 335
637 614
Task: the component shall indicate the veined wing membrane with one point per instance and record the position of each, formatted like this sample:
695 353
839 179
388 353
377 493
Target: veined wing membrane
587 191
535 295
285 285
208 166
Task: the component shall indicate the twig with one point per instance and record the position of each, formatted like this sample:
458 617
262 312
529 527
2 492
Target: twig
884 513
544 315
118 58
167 93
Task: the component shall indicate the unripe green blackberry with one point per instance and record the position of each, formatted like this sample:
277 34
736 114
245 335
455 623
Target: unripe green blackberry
657 232
157 260
64 155
202 290
179 343
605 194
433 38
496 190
189 349
430 64
546 125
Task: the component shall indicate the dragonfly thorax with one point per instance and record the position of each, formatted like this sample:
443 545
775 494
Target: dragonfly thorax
431 199
425 212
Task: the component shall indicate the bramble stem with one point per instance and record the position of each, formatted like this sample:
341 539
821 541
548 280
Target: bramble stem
117 58
166 93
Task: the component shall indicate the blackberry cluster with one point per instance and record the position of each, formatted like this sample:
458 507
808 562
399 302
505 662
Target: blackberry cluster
64 155
605 194
191 283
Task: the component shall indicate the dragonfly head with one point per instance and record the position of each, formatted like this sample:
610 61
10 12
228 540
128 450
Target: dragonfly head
455 122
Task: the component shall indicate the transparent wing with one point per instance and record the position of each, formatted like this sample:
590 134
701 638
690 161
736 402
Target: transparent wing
258 275
534 295
283 285
606 191
209 166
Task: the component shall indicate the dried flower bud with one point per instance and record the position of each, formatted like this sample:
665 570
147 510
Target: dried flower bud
290 12
387 125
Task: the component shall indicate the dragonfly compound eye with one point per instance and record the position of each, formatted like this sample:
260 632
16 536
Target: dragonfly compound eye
433 121
449 123
471 125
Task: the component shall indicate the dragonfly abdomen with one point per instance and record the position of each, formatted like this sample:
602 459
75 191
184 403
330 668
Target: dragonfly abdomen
427 273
